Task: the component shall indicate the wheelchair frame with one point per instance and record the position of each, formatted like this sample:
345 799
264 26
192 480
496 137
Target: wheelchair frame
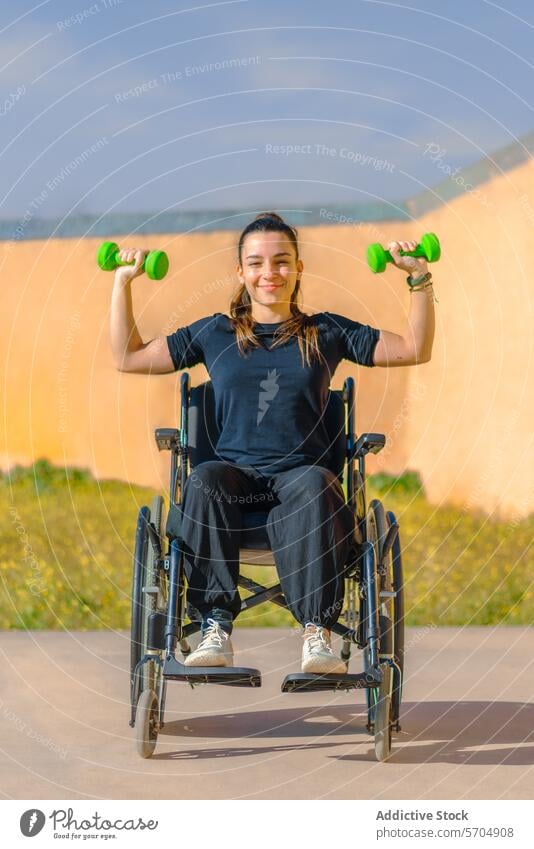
373 578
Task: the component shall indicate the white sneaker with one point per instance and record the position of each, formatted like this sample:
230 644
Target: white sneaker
214 649
317 654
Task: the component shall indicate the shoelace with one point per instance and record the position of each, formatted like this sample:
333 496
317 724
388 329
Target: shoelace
213 634
318 641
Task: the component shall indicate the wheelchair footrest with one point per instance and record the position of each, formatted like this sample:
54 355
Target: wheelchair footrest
231 676
305 682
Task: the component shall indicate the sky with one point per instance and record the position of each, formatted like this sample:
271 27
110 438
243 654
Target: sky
134 106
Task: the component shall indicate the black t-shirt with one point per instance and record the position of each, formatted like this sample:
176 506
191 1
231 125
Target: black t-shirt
268 406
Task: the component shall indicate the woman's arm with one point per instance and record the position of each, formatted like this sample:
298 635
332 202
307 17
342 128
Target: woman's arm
415 345
130 353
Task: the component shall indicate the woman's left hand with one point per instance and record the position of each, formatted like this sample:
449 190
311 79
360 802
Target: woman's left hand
415 266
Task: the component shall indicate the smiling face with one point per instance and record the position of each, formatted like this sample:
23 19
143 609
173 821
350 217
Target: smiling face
269 270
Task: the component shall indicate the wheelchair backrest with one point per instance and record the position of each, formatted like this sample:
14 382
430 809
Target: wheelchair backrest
203 431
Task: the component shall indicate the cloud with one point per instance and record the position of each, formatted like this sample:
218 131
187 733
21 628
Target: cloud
23 58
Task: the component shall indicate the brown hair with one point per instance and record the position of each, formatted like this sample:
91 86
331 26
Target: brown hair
299 324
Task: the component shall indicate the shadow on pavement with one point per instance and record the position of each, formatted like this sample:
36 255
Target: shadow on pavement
238 751
478 733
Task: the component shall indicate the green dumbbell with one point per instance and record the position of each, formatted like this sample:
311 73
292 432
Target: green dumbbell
429 248
155 266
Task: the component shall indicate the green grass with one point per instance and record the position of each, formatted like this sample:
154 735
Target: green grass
66 545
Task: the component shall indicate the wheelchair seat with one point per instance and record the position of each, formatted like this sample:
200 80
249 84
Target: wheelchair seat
255 548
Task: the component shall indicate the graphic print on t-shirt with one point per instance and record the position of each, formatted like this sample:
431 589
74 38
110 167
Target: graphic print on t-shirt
270 390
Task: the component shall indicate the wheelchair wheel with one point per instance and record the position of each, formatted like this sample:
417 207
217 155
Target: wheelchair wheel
383 703
398 624
154 577
137 598
146 577
146 723
375 532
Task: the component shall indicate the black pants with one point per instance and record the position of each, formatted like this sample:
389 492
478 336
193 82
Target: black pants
310 529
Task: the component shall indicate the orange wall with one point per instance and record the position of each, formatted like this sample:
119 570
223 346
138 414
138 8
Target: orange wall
471 435
463 420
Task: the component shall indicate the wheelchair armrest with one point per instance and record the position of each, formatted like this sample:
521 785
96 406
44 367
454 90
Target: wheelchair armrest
368 443
167 438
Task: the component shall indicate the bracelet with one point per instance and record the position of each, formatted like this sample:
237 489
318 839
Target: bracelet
421 283
420 286
427 285
423 279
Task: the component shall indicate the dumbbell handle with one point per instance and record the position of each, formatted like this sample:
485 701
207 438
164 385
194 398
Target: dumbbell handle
118 261
419 251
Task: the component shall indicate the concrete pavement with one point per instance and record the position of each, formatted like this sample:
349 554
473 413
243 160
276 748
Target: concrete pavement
467 724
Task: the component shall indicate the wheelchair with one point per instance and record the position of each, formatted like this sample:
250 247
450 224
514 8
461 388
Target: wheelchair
373 615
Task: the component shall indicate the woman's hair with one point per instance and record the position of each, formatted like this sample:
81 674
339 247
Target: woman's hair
299 324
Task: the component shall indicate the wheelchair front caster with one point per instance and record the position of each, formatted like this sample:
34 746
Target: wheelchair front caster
146 723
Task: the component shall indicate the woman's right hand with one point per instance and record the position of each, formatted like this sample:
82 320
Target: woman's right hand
126 273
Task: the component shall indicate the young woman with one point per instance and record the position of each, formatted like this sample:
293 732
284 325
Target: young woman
271 366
